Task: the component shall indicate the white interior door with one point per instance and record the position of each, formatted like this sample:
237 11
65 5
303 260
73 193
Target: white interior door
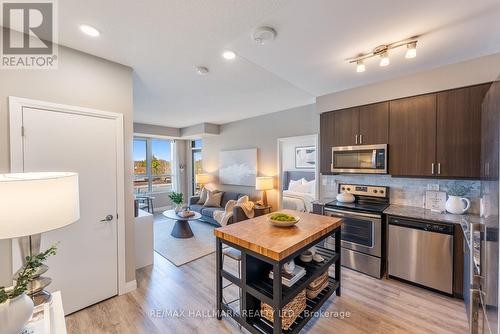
85 268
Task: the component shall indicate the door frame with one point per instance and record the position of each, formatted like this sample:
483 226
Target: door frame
16 105
279 164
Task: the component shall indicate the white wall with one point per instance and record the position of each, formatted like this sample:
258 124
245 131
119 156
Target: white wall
288 151
81 80
262 133
484 69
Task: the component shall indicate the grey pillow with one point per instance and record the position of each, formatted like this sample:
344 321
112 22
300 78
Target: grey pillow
203 196
213 199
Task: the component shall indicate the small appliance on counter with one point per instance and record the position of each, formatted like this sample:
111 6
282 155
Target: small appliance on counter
362 231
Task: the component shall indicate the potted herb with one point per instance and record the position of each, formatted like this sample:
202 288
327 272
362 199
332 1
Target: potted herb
456 203
177 199
15 305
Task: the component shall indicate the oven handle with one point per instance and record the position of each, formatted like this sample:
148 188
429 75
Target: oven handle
351 214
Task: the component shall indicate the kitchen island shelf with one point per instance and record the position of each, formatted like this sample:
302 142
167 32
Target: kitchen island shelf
263 325
266 248
264 286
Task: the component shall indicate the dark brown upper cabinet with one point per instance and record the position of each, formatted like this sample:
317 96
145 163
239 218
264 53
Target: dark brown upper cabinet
326 125
345 127
374 124
458 145
412 136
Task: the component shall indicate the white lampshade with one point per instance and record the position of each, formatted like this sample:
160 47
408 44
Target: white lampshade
202 178
32 203
264 183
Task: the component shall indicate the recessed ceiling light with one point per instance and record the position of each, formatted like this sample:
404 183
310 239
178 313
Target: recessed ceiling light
202 70
229 55
89 30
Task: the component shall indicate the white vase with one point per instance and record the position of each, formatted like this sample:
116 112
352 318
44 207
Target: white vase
15 313
178 208
457 205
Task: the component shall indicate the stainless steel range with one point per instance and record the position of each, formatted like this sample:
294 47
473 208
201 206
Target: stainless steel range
362 232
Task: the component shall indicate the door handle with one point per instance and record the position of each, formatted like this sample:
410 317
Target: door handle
361 139
356 139
106 219
439 168
432 168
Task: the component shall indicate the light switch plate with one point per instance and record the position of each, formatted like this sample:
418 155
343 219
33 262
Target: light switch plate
433 186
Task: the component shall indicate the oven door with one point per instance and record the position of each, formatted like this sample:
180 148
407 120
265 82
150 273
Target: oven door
361 232
370 159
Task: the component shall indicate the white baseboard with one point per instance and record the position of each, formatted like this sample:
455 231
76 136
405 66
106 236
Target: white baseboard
129 286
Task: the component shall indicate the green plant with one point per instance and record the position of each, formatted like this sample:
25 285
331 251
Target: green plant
177 198
282 217
458 190
26 275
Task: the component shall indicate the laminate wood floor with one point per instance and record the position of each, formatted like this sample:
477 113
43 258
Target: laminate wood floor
166 291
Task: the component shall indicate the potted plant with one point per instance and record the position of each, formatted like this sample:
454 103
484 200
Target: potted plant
456 203
177 199
16 307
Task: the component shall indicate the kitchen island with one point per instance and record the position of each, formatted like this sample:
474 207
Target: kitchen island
266 248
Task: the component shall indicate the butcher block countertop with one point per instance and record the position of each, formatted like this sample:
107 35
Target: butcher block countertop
259 236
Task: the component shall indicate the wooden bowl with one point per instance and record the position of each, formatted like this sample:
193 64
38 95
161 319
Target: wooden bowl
283 223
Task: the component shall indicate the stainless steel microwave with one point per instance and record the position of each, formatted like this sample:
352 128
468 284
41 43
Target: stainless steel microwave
362 159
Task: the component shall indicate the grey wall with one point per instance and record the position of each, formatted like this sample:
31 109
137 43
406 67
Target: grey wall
81 80
262 133
155 130
466 73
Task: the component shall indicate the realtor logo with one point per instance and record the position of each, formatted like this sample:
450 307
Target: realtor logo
29 36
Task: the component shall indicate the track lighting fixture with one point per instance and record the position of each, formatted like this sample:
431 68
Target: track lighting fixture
382 51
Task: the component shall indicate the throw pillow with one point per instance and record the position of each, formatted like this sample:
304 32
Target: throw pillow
295 185
203 196
312 186
213 199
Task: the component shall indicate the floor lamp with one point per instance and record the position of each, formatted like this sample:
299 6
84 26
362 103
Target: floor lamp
33 203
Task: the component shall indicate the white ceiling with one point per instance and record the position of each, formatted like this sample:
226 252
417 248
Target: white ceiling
163 40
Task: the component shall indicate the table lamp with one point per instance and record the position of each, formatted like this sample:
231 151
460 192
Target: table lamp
202 179
264 183
33 203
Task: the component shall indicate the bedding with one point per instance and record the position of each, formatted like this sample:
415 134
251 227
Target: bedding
300 201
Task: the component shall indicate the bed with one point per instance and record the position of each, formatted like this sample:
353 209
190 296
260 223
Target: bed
297 200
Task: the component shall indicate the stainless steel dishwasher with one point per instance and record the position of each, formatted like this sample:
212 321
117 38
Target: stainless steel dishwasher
421 252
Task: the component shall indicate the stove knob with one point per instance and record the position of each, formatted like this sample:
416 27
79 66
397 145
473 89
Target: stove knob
343 188
381 191
348 189
375 191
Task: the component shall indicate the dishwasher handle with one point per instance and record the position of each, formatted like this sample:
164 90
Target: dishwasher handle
442 228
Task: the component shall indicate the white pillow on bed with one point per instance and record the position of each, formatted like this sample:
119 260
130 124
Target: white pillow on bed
294 183
312 186
302 186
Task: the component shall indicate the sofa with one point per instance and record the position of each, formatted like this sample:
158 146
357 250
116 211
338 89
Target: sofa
207 213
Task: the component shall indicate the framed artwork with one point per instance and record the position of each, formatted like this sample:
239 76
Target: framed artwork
305 157
238 167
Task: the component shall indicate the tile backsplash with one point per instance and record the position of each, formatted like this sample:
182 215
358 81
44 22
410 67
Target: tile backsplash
403 191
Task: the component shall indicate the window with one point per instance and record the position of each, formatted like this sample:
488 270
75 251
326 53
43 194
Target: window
197 160
152 165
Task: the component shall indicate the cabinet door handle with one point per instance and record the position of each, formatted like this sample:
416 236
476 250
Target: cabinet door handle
432 169
439 168
356 139
361 139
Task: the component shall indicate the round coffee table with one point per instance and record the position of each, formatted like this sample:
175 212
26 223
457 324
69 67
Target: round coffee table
181 228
